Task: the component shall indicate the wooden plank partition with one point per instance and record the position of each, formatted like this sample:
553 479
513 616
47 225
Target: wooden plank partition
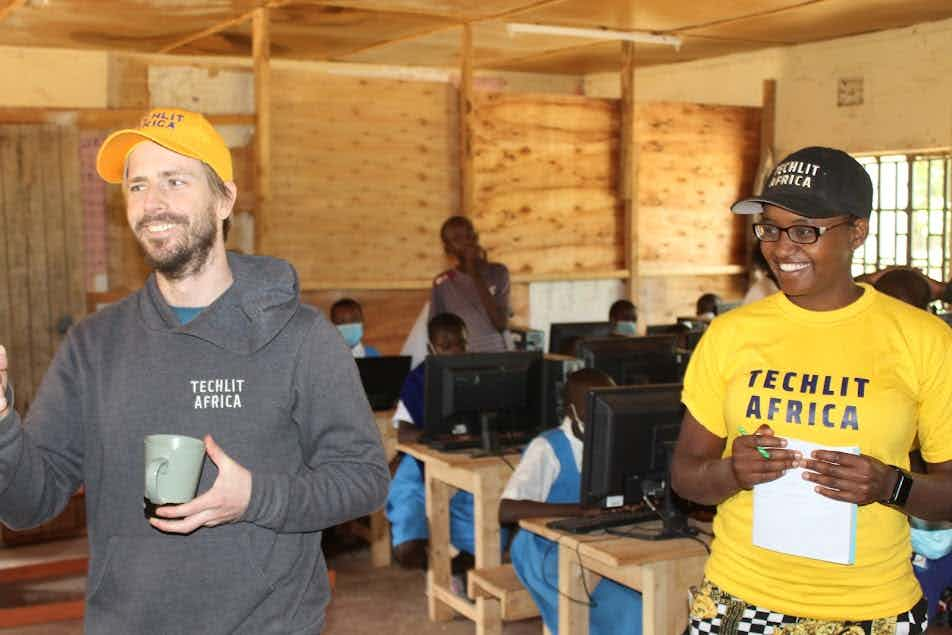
41 283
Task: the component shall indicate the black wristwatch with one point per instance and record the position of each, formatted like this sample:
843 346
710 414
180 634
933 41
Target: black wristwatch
901 489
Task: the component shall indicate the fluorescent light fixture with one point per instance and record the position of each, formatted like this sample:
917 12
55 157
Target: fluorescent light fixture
596 34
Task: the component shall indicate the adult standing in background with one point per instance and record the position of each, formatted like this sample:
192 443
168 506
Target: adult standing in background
216 345
476 290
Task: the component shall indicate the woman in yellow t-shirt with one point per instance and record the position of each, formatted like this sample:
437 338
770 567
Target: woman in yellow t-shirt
828 363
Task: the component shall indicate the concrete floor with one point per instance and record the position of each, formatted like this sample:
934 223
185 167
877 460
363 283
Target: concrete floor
366 600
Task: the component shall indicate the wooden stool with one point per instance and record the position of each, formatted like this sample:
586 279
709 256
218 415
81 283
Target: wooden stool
500 597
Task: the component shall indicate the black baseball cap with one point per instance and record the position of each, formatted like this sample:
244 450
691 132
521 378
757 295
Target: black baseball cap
815 182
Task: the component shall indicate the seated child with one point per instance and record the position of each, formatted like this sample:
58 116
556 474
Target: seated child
348 316
546 483
406 500
624 318
706 307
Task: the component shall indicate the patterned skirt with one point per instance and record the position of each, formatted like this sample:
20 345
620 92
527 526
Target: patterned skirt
716 611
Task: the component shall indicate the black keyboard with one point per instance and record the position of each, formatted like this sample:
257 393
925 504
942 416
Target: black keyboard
507 442
587 524
449 444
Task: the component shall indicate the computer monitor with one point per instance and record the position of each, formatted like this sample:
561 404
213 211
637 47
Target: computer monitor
383 378
496 397
652 359
688 332
630 436
564 335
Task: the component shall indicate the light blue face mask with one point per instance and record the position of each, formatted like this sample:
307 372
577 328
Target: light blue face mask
626 328
932 543
352 333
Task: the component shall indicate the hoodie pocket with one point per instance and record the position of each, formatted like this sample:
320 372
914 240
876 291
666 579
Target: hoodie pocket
157 584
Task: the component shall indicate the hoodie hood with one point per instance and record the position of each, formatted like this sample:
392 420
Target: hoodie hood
249 314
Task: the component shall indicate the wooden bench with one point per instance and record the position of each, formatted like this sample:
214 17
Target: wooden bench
500 597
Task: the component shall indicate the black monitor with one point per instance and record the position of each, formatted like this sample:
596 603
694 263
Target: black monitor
383 378
688 332
493 397
652 359
630 436
564 335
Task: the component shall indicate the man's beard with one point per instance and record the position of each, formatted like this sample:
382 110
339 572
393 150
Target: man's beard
187 256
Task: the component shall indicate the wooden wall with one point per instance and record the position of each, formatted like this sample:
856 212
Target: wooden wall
42 281
363 173
546 171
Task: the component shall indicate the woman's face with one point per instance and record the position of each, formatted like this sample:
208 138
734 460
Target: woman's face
814 276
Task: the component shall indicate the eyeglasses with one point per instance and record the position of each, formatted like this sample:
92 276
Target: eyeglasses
800 234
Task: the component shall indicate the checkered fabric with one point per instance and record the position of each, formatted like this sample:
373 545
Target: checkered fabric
735 617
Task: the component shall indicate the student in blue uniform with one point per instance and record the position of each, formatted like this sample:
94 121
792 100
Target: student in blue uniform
406 501
348 316
547 483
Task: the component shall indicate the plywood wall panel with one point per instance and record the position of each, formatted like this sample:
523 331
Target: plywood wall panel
363 173
545 173
695 161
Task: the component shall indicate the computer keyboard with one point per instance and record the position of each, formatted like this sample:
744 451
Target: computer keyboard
449 444
507 441
607 520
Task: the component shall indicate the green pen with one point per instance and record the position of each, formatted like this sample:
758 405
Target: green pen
763 452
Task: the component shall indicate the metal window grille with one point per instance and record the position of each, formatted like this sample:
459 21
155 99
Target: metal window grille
911 219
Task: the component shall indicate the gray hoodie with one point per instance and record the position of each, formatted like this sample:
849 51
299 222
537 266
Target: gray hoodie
273 382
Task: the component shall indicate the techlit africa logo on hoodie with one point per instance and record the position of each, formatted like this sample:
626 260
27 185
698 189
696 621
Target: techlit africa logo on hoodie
217 393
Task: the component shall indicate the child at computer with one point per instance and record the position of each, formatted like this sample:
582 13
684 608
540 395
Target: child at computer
348 316
624 318
546 483
406 500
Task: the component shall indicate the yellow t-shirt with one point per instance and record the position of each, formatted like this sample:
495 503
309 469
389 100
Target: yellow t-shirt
874 375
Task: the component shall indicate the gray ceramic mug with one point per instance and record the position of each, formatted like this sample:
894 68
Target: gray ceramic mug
173 465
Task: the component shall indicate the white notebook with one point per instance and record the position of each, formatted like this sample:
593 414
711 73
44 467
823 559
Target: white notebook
790 517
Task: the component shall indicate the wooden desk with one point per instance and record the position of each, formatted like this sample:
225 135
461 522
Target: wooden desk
377 531
662 570
445 473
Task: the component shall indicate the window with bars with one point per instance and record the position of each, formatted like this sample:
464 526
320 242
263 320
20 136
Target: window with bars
911 219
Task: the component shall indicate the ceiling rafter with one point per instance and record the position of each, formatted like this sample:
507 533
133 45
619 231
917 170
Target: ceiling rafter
221 26
738 18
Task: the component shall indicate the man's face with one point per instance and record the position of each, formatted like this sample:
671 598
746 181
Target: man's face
171 209
458 238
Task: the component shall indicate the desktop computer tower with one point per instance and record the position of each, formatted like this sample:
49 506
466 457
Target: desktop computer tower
555 371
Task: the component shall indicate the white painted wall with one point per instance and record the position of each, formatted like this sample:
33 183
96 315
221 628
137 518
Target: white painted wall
907 88
571 301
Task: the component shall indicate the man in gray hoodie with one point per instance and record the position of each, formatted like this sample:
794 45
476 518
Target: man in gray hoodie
216 345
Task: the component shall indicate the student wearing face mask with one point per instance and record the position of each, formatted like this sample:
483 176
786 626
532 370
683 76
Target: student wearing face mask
624 318
406 500
546 483
348 316
706 307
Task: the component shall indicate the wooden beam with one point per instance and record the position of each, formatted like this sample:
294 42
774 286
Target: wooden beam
261 53
466 170
10 7
628 168
221 26
100 118
768 111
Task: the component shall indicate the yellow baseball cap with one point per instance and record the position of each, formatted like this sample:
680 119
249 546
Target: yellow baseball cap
182 131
